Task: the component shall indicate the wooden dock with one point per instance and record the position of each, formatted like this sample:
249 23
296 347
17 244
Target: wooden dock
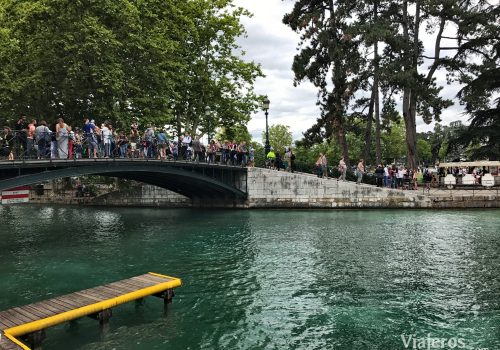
29 321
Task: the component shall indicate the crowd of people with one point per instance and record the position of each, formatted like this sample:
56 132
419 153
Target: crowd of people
275 161
392 176
29 139
36 140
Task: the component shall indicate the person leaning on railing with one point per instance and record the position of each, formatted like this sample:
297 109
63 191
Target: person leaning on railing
42 137
7 143
62 137
30 138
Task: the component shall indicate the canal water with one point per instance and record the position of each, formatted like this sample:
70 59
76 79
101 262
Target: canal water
264 279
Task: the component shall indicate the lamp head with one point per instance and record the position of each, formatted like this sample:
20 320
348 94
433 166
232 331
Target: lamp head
266 103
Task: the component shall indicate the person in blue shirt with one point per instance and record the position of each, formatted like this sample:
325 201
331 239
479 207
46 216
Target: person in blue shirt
162 144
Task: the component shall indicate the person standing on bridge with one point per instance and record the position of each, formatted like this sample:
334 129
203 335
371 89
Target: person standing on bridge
186 142
342 169
42 137
360 171
197 149
106 139
30 138
90 138
148 138
62 132
321 165
20 128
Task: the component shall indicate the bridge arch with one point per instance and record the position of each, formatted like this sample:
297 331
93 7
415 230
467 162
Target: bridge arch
196 181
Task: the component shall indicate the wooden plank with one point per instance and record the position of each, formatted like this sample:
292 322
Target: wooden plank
96 291
136 284
40 311
96 295
76 301
114 291
7 344
106 292
147 280
15 317
139 284
3 326
48 308
7 319
25 313
19 318
154 278
54 307
32 311
62 304
90 296
123 286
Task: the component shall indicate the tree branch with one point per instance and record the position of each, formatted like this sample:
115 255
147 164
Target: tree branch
437 50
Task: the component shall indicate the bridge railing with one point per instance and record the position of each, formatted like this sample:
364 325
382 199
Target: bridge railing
20 145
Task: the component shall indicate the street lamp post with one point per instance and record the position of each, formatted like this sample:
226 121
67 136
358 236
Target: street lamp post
265 106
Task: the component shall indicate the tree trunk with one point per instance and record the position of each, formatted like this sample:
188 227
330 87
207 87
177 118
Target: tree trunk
409 97
378 148
336 107
368 133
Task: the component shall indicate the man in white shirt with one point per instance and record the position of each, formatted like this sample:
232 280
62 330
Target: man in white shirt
386 175
186 141
106 139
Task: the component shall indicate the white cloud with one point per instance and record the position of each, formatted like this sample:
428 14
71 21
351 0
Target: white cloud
273 45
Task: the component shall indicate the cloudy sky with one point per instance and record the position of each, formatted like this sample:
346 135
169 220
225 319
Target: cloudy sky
273 45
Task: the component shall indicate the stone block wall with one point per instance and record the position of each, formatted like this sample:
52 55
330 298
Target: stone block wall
278 189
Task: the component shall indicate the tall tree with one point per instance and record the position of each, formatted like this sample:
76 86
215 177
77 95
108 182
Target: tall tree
280 137
409 70
330 59
124 60
214 73
477 65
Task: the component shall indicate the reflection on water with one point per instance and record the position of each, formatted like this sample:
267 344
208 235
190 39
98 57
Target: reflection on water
263 279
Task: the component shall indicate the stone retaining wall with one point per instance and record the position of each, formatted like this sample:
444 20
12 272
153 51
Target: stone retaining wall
141 196
277 189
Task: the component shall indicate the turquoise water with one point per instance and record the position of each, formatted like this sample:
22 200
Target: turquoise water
263 279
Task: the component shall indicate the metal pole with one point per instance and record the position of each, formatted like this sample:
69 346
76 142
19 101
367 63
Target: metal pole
267 147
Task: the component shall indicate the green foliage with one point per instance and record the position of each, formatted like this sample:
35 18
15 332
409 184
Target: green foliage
393 144
237 132
158 61
424 151
280 137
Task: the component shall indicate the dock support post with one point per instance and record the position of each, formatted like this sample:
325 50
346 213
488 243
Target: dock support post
166 296
35 339
104 316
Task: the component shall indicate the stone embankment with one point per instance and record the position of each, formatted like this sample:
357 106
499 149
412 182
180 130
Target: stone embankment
277 189
282 190
140 196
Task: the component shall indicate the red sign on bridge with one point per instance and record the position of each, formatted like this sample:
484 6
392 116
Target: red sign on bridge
16 195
